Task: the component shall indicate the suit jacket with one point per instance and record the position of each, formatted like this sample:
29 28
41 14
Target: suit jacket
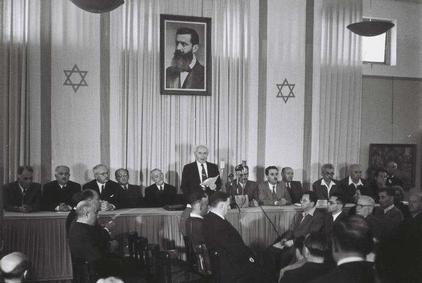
352 272
194 230
236 262
328 222
194 80
110 193
156 198
191 178
311 224
394 215
53 195
131 197
250 189
295 190
13 196
305 273
394 181
348 191
266 196
371 190
322 191
182 224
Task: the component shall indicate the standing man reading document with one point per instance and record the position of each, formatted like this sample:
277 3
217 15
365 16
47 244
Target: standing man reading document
200 173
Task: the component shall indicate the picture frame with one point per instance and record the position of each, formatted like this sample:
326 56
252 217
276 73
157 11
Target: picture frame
185 66
403 154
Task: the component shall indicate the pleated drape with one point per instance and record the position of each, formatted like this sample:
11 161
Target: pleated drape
149 130
337 90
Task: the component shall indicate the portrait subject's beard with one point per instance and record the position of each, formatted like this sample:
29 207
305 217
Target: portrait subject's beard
181 61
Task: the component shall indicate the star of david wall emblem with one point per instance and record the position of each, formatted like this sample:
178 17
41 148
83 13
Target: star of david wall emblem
75 78
289 90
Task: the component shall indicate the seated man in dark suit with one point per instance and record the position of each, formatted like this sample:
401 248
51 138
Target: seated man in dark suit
196 173
87 243
58 194
108 190
22 195
307 221
351 242
131 195
159 193
398 201
293 187
335 213
314 249
387 207
392 179
272 192
325 186
379 225
353 185
376 184
14 268
242 186
235 261
199 203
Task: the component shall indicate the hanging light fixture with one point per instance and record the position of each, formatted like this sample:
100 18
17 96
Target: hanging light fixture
98 6
371 27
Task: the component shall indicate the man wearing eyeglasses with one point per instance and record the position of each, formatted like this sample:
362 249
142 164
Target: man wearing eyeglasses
24 195
326 186
58 194
242 186
271 192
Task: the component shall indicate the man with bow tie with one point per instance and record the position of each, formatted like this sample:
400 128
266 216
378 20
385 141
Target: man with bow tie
23 195
185 71
131 195
58 194
108 190
159 193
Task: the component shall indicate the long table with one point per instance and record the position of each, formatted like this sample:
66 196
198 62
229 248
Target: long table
42 235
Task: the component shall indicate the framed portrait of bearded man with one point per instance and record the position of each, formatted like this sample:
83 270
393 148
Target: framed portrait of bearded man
185 55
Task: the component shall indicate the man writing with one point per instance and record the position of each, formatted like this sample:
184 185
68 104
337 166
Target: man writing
185 71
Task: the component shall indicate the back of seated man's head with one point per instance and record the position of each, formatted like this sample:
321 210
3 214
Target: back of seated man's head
315 245
199 202
220 202
14 266
351 237
86 212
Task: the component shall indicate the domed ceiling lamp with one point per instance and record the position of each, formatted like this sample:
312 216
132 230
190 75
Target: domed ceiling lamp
370 28
98 6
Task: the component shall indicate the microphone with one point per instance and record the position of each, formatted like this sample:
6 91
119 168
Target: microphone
272 224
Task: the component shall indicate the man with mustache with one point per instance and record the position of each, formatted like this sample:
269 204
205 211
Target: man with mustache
185 70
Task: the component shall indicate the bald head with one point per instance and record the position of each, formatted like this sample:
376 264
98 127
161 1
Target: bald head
14 265
201 153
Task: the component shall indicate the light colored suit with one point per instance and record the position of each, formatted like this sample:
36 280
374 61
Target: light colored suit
267 197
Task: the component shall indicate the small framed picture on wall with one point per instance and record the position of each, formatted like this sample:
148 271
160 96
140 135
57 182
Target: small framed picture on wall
185 55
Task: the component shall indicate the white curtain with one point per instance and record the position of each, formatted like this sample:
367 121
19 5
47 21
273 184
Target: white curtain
337 86
14 122
149 130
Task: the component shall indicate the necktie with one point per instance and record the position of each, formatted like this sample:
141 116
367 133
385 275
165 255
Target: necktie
203 173
101 189
274 195
161 188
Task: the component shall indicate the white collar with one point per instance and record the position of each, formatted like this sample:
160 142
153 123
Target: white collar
323 183
158 186
199 164
22 189
310 212
388 208
192 64
358 184
189 206
194 215
335 215
217 213
350 259
99 184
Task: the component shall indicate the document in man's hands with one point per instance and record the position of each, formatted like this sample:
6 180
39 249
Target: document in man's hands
210 182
